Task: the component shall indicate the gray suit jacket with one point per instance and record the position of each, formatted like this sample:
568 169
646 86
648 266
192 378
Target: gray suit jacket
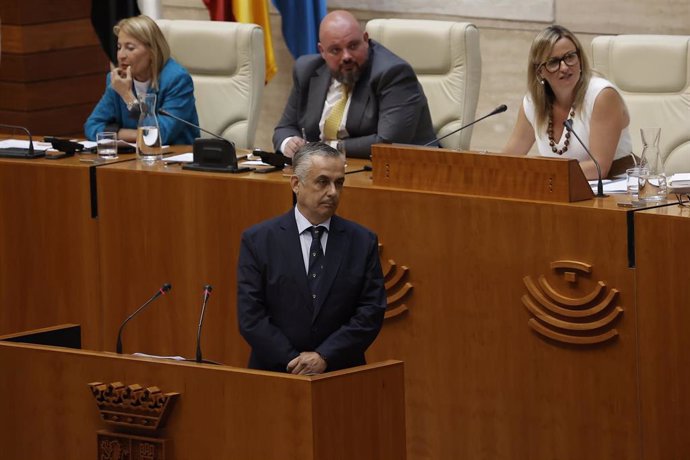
387 105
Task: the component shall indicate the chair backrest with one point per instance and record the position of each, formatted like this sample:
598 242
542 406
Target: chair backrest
151 8
446 57
653 75
226 61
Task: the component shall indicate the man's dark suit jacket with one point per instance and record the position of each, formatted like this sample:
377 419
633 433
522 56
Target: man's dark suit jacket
274 304
387 104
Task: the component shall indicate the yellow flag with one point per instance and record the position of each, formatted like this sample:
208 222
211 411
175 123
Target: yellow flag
256 12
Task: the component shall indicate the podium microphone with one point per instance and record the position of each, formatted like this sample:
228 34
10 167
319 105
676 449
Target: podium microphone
500 109
165 288
207 293
175 117
600 184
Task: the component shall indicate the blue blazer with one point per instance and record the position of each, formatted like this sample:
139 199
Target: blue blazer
274 306
175 94
387 104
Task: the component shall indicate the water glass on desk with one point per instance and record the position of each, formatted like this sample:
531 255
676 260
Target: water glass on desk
652 185
106 145
632 181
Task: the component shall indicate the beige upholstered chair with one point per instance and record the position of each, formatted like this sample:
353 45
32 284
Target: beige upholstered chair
226 61
446 57
151 8
653 74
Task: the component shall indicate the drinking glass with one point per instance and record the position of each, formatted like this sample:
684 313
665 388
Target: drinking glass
106 145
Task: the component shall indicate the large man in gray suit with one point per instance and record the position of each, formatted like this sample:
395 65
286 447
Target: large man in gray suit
353 94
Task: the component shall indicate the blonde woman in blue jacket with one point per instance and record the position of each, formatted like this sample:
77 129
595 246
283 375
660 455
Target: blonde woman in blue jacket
144 66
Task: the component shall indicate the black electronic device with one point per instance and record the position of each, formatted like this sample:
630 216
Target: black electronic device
65 146
214 155
276 160
211 155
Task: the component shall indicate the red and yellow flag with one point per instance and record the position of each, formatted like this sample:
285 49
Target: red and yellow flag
248 12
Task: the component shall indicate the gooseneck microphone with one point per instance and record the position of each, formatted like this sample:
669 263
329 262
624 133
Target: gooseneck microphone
15 152
164 289
207 293
600 183
500 109
175 117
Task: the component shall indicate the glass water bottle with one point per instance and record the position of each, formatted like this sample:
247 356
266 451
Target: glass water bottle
652 181
148 132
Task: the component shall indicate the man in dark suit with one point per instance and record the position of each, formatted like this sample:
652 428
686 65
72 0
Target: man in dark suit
310 290
353 94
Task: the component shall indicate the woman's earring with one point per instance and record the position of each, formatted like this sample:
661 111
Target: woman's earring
541 81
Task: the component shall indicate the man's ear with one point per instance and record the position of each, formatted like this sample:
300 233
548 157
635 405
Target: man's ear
294 182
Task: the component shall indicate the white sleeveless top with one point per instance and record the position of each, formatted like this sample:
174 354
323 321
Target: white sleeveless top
581 124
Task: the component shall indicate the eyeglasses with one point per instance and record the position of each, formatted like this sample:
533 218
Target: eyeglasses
553 64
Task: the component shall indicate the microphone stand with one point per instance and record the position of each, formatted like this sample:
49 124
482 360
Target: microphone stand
175 117
500 109
600 183
118 347
207 293
18 152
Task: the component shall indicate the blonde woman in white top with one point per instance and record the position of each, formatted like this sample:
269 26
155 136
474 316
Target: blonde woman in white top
561 87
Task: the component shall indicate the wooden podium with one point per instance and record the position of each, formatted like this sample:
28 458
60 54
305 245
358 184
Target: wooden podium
221 412
473 173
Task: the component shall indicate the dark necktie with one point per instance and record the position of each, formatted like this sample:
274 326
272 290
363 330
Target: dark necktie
316 260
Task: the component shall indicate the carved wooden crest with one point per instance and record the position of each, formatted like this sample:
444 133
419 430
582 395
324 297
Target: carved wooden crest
131 408
576 320
398 289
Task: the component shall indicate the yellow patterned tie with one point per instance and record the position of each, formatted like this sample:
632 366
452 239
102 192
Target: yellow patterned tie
332 123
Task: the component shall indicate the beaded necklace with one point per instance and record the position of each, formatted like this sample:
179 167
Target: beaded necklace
549 132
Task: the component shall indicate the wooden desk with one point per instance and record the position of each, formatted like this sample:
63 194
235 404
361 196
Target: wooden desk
481 382
663 299
478 378
50 271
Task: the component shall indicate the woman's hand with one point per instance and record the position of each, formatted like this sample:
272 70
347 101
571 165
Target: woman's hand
121 82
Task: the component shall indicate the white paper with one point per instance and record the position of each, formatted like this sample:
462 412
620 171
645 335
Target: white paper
611 186
174 358
17 144
680 177
253 163
181 158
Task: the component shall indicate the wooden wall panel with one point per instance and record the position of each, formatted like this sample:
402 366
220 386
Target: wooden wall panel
72 62
47 37
41 11
58 121
38 39
50 94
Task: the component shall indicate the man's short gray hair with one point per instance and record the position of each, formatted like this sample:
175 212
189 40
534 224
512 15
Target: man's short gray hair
301 162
